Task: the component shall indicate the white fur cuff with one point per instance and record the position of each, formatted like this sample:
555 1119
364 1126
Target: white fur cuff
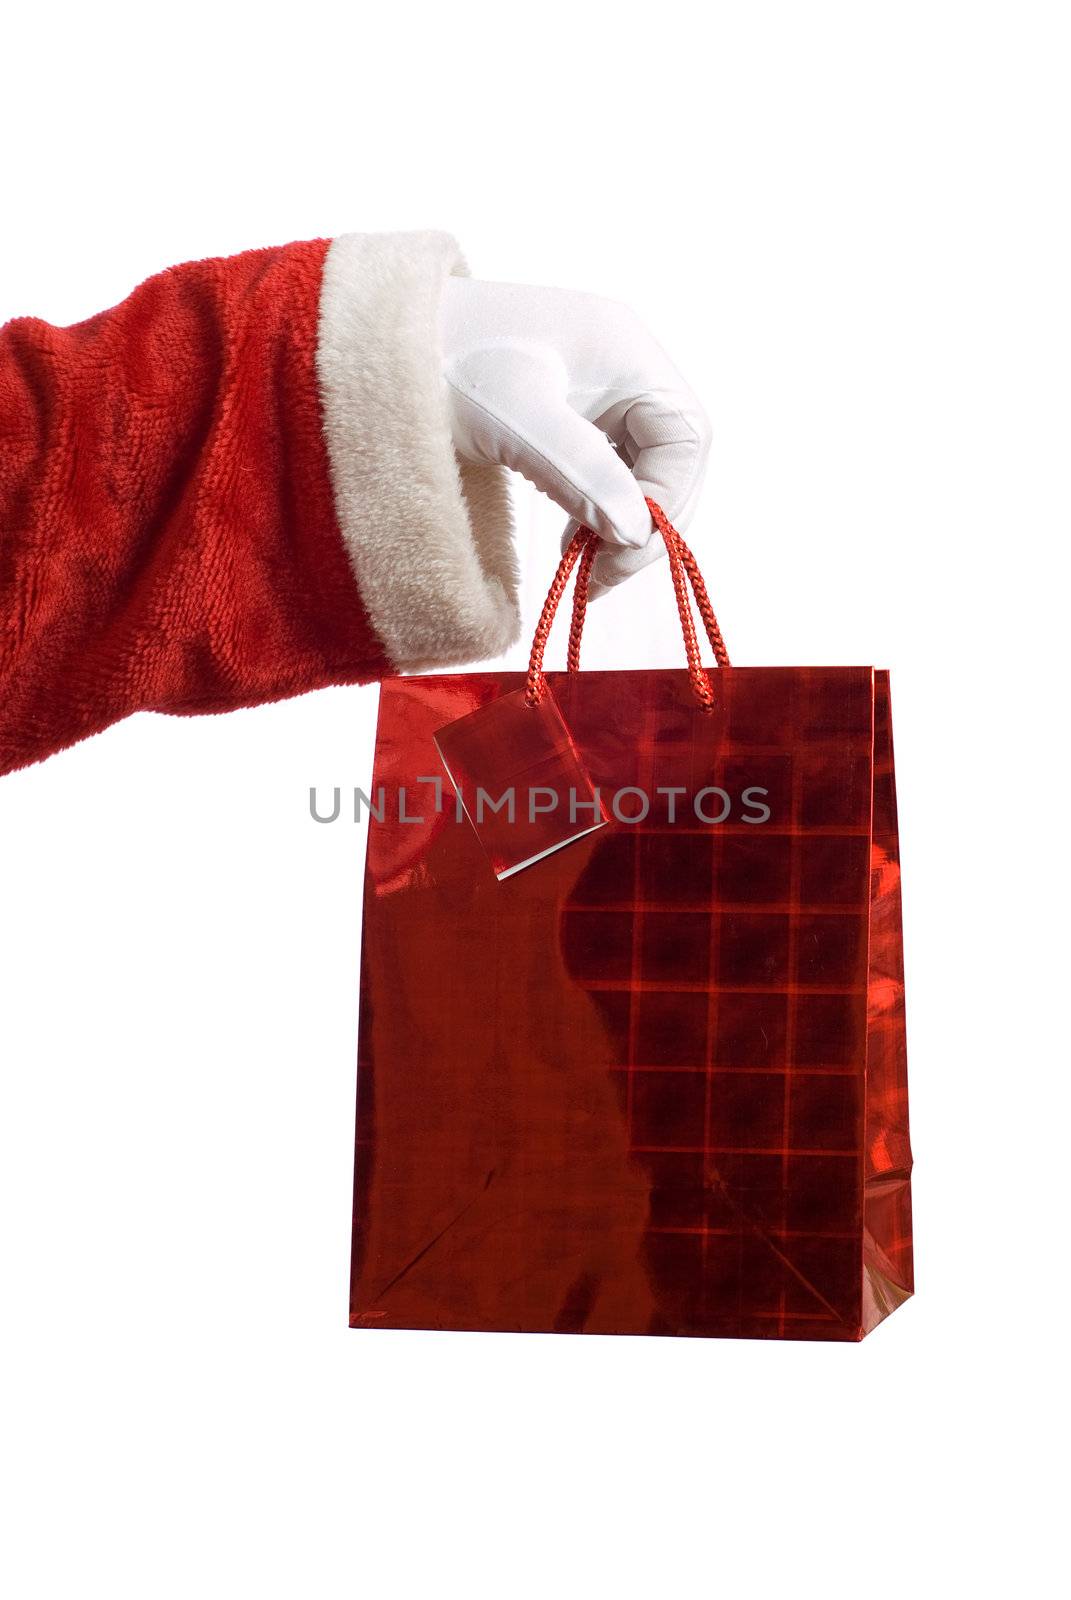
430 538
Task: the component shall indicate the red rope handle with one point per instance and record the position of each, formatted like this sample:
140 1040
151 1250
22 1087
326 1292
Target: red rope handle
580 603
534 689
699 588
683 570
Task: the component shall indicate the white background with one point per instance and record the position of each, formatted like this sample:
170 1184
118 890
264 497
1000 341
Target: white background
849 225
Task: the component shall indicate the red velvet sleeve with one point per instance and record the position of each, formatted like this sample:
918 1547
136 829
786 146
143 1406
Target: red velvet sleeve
168 536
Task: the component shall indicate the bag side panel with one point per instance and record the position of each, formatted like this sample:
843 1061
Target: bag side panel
888 1278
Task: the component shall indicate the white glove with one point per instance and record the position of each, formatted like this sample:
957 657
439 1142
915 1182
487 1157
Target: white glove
573 392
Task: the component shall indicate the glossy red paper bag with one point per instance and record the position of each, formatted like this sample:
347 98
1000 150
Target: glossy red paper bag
655 1082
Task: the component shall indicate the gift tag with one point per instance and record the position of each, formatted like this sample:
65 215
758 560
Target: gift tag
520 780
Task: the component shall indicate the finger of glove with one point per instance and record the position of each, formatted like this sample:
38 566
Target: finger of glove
524 421
613 565
668 439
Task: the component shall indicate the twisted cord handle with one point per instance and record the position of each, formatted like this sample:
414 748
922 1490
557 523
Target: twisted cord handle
684 570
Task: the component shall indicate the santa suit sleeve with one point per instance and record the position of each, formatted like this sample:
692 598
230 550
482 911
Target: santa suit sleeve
237 485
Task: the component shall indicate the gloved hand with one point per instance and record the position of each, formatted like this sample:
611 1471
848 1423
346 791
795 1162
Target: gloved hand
571 391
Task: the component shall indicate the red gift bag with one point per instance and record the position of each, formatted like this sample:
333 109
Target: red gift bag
654 1082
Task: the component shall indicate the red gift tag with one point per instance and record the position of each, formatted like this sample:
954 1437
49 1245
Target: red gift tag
520 780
